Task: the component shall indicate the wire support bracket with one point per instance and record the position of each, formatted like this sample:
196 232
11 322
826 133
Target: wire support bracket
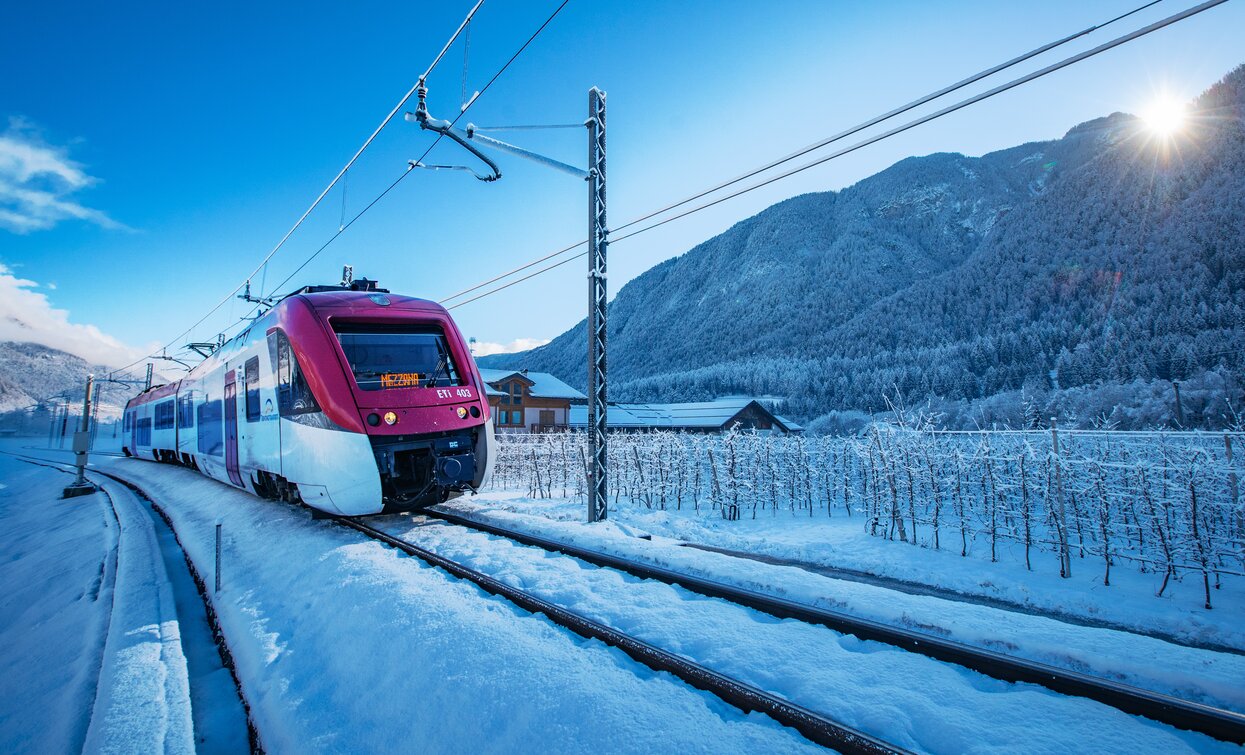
446 128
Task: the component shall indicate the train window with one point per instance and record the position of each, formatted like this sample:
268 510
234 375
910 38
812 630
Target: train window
252 389
401 356
294 395
186 409
164 415
211 429
144 432
129 419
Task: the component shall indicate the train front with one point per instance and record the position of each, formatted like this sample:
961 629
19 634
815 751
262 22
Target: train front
412 388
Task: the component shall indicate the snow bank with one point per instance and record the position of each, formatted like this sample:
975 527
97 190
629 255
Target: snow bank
143 702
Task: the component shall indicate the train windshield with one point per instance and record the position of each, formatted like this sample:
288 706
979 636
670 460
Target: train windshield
383 357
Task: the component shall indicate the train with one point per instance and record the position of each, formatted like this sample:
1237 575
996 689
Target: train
346 398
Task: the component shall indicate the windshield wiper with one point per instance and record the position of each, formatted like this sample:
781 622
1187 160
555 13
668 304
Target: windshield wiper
442 363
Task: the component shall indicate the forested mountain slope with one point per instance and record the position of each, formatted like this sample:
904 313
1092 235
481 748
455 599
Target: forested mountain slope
1077 276
31 375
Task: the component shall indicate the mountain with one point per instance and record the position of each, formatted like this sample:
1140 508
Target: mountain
1075 277
31 374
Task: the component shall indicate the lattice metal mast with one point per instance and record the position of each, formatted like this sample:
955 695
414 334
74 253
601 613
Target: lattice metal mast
598 488
598 232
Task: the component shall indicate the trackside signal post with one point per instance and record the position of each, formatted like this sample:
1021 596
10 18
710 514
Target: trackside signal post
598 233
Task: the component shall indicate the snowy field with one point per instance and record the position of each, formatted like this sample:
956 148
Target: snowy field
906 506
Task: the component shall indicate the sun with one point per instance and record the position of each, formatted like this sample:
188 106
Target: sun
1164 116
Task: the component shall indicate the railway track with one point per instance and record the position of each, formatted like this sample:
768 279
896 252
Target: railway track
1215 722
814 726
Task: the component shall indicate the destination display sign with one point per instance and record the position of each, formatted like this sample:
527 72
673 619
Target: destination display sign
399 380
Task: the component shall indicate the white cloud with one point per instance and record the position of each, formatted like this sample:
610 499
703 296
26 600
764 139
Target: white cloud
484 348
37 181
27 315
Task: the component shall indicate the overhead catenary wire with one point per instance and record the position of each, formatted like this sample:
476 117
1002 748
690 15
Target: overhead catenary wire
986 73
367 143
387 189
411 165
839 153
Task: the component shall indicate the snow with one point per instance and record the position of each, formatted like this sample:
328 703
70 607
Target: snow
842 542
143 702
102 654
57 587
343 643
907 699
1206 676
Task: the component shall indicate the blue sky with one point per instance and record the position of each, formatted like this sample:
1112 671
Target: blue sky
181 144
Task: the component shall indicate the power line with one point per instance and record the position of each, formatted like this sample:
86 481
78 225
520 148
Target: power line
427 151
897 111
342 172
812 147
859 145
517 270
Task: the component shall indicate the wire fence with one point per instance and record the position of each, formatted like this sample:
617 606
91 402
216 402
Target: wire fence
1157 502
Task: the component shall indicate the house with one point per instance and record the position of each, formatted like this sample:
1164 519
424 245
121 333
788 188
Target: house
699 417
524 401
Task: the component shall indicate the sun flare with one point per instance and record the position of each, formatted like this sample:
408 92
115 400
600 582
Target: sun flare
1164 116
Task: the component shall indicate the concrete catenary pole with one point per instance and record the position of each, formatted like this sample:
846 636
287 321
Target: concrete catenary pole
597 231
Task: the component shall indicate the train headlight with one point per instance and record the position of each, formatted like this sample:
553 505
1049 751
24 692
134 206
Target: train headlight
373 419
462 412
391 418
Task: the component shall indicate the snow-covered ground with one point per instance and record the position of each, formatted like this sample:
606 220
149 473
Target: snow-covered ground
57 574
103 650
343 644
907 699
841 542
1206 676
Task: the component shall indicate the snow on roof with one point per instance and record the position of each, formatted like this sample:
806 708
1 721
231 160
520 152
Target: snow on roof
544 385
793 427
698 414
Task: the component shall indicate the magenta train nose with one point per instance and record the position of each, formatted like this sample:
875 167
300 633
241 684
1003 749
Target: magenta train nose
349 399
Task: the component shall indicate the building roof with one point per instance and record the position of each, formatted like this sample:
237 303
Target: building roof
792 427
543 385
694 415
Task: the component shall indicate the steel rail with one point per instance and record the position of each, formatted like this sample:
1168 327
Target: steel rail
814 726
1183 714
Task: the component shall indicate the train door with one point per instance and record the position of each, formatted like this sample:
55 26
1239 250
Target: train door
133 431
231 429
